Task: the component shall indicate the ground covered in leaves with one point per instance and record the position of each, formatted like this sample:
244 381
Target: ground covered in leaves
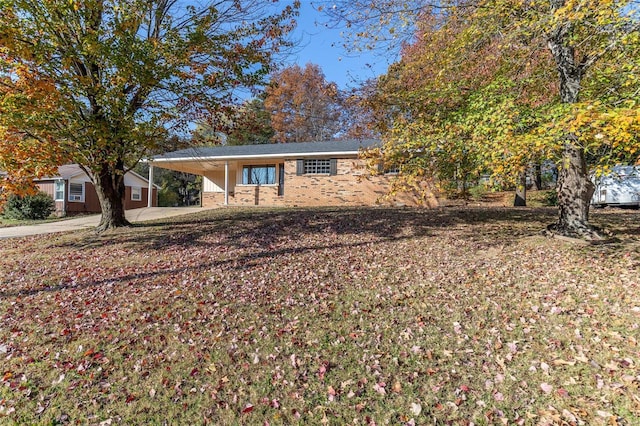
323 316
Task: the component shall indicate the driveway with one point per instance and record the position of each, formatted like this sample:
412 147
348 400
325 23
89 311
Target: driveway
88 222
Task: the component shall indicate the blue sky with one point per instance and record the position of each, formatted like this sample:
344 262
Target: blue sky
323 46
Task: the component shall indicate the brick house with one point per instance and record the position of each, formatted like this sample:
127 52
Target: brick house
291 174
74 193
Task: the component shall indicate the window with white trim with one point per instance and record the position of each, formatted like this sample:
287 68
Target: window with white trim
59 190
136 193
76 192
259 175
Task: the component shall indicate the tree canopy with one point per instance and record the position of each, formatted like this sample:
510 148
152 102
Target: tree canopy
496 84
303 105
102 82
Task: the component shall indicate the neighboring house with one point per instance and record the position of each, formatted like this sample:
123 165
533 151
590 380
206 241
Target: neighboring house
74 193
290 174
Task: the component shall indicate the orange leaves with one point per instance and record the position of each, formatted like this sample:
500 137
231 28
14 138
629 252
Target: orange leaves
303 105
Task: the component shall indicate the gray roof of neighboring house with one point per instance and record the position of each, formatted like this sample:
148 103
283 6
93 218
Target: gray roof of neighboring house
67 171
268 150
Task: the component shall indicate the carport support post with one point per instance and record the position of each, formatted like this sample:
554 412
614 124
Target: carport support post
226 183
150 191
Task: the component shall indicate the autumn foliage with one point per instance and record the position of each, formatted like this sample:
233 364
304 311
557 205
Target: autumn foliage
304 107
496 86
104 84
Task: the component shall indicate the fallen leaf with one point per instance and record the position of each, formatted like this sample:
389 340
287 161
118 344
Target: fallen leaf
416 409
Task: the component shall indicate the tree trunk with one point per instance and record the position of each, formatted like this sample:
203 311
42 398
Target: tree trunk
521 191
574 186
110 187
538 176
575 190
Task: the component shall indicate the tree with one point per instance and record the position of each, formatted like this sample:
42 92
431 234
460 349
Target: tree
303 105
118 75
252 124
489 60
359 115
244 124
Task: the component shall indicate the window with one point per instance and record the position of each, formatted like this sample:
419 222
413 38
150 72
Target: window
259 175
392 170
76 192
388 169
136 193
317 167
59 190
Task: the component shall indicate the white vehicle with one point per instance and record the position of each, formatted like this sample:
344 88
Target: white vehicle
621 188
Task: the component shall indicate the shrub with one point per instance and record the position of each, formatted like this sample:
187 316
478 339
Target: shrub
551 198
478 192
29 207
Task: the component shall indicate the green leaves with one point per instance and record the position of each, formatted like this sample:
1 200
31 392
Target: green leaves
484 88
105 83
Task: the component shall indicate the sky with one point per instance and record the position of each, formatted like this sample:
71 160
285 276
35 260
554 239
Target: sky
323 46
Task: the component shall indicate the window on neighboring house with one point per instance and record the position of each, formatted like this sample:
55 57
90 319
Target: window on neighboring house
59 191
317 166
76 192
136 193
259 175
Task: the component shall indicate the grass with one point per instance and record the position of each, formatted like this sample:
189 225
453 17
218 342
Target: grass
4 222
323 316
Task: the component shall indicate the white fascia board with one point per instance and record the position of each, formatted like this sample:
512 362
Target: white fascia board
257 157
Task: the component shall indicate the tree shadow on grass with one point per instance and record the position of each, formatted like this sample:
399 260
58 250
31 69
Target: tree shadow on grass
245 228
246 238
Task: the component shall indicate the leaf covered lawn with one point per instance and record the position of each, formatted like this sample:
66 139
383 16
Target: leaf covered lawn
323 316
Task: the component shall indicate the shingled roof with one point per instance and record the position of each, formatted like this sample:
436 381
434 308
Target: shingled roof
222 152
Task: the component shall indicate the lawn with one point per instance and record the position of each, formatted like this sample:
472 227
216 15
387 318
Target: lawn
323 316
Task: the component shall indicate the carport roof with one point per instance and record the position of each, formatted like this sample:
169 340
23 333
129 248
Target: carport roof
228 152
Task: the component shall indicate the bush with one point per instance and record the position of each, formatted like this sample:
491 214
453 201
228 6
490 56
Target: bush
551 198
478 192
29 207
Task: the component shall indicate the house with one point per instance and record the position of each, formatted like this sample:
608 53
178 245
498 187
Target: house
292 174
74 193
621 187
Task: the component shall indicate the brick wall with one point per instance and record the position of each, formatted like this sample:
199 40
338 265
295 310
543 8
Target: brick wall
352 185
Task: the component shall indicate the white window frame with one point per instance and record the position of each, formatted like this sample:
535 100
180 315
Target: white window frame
75 198
56 190
136 190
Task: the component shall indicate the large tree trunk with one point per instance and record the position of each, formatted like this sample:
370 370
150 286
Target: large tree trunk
110 187
575 190
574 186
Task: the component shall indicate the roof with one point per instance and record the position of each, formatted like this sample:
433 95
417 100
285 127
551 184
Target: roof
64 172
69 171
227 152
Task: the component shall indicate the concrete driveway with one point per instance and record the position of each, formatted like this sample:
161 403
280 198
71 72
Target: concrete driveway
88 222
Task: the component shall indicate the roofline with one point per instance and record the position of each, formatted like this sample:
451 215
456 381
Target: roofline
253 156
